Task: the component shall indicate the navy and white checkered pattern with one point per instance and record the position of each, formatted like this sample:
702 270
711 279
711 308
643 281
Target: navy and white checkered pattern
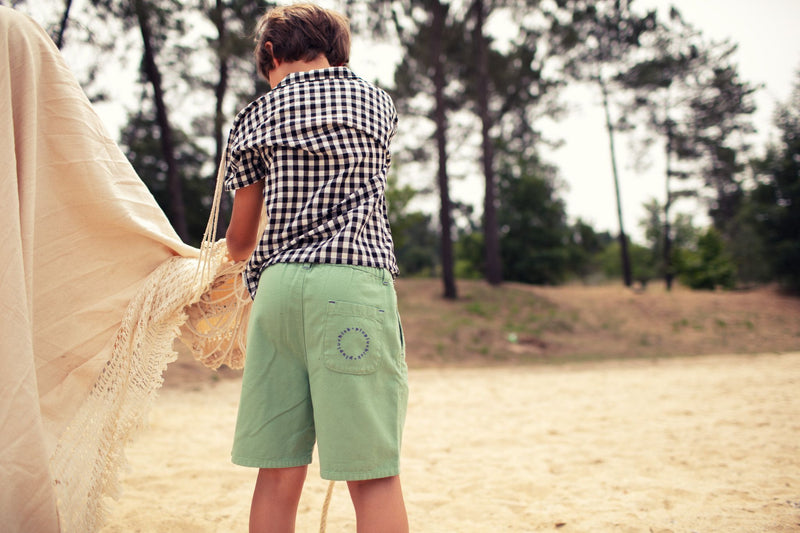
320 140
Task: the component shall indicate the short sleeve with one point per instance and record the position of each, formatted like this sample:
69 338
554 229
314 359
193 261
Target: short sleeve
246 160
244 168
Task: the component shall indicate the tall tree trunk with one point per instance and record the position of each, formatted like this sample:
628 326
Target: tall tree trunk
176 212
62 28
668 274
445 218
491 235
625 257
220 90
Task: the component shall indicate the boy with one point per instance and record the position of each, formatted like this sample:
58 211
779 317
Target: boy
325 355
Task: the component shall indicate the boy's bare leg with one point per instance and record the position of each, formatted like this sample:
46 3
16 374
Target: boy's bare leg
275 499
379 505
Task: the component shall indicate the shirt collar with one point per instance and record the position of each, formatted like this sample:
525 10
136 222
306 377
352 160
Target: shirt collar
329 73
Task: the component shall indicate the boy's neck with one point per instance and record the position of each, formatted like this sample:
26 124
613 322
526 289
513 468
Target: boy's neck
284 68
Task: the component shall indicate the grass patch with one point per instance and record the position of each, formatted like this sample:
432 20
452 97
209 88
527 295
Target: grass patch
678 325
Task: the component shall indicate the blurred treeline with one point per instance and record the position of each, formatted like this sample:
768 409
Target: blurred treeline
474 81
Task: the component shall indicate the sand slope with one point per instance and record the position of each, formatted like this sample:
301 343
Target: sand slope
696 444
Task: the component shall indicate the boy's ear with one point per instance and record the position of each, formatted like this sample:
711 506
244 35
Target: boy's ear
275 61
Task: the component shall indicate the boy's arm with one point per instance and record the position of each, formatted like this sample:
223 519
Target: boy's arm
242 235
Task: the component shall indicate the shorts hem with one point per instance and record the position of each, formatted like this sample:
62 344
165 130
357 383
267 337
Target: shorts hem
334 475
270 463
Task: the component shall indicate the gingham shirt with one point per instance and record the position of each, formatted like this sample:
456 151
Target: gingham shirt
320 140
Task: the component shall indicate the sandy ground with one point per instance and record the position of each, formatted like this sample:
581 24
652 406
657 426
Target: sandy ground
683 445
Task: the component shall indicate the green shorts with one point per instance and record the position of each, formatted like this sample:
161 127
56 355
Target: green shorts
325 363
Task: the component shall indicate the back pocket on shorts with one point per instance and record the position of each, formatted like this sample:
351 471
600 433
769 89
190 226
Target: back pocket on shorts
353 338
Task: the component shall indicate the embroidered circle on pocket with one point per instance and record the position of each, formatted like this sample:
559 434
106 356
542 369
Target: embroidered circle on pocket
353 343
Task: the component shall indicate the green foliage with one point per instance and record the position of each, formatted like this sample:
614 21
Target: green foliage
644 264
584 248
537 244
775 201
682 234
415 239
720 110
709 266
747 246
469 255
534 230
418 249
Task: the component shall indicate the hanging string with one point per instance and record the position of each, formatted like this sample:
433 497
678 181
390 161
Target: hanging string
323 522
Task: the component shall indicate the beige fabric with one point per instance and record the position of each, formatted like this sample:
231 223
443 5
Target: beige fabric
95 286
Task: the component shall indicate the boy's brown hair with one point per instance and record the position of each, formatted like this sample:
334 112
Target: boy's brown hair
301 32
